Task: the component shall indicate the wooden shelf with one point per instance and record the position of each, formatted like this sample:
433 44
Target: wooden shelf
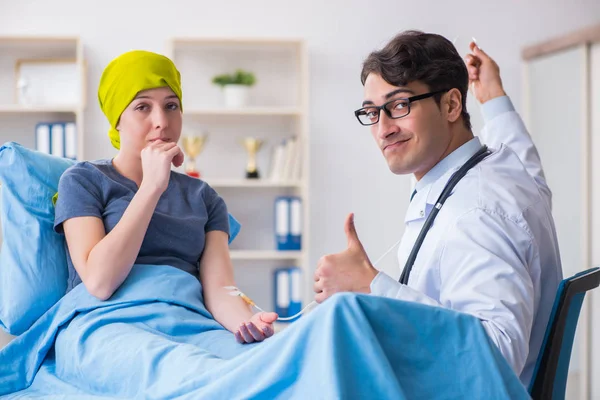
17 109
234 44
265 255
237 40
251 183
39 40
40 46
291 111
16 120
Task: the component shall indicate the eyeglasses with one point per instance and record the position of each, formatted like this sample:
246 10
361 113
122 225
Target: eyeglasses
394 109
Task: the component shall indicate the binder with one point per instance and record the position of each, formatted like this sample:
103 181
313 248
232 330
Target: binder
288 223
282 223
57 139
288 291
295 291
70 140
42 138
282 291
296 223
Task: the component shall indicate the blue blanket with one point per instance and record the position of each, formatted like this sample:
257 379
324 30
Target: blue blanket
154 339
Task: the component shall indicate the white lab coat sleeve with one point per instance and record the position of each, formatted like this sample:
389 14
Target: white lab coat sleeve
483 271
504 125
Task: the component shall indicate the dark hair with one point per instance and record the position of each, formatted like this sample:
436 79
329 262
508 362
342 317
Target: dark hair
425 57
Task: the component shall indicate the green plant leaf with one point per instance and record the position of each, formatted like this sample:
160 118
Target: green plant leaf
239 77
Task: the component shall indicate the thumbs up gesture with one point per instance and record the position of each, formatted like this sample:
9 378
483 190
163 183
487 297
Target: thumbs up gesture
348 271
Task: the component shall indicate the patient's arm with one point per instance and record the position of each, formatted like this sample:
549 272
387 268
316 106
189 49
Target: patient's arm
102 260
216 271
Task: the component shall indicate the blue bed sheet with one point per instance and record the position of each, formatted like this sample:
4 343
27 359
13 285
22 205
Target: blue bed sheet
154 339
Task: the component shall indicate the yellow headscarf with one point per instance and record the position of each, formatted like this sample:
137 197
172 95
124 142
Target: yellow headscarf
129 74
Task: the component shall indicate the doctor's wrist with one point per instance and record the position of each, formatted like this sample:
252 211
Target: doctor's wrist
492 93
369 274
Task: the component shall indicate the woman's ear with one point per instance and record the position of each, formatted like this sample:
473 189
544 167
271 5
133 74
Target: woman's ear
453 104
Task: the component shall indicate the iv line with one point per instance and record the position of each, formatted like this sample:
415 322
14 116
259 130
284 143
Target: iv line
314 302
236 292
386 253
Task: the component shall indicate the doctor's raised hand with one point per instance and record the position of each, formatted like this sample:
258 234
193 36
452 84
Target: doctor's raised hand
348 271
484 75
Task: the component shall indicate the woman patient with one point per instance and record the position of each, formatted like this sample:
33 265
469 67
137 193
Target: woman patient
133 209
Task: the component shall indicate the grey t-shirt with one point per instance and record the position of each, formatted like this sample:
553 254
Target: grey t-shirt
187 209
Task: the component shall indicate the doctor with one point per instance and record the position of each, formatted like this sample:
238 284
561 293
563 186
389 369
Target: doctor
487 246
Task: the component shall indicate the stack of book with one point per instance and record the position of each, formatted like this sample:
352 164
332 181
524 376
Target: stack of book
286 161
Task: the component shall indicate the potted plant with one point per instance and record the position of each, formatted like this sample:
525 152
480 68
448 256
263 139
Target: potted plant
235 87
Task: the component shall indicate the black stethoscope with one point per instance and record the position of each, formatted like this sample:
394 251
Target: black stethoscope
458 175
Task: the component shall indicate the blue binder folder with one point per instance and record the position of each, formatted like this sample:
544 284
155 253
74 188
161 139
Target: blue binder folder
288 223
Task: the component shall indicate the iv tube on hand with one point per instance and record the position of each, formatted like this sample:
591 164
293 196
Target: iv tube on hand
234 291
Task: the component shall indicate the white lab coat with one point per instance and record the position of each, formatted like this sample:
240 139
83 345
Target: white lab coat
492 251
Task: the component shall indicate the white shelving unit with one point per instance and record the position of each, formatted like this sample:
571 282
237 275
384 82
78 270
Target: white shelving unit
17 121
19 109
266 255
248 183
266 111
277 110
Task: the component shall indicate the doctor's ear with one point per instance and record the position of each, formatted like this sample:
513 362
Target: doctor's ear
452 102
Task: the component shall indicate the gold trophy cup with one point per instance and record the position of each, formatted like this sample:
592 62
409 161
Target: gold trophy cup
252 146
192 147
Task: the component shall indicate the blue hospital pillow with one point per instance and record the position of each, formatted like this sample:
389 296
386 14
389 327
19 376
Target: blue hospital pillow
33 264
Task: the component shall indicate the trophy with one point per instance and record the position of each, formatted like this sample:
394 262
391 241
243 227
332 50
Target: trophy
252 146
192 147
